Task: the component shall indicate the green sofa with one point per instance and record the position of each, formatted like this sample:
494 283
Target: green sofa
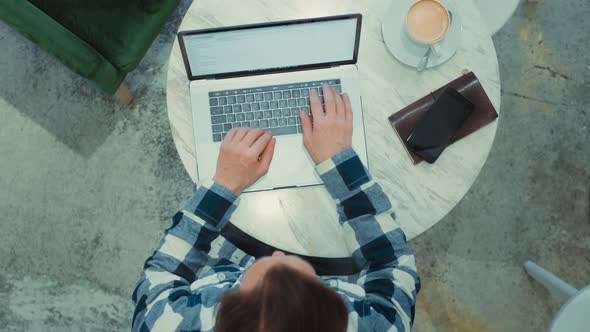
102 40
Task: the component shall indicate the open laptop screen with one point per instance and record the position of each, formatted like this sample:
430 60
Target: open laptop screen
271 47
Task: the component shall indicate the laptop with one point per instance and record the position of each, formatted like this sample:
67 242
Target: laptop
259 76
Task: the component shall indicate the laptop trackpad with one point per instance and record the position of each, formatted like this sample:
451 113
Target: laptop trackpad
291 166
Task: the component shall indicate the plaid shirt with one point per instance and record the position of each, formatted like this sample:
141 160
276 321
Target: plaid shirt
193 265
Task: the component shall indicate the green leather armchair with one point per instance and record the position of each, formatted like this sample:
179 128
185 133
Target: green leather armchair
101 40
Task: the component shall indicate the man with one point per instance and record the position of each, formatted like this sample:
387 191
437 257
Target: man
198 281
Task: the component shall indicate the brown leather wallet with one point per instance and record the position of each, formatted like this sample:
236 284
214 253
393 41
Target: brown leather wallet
405 120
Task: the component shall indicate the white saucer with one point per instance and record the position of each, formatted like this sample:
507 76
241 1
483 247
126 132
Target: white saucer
407 51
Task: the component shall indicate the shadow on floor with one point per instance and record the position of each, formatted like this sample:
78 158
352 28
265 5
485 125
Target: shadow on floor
70 108
66 105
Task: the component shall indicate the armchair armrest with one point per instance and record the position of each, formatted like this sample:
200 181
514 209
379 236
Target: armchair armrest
59 41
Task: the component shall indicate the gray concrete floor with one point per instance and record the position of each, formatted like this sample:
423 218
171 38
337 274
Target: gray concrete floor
87 187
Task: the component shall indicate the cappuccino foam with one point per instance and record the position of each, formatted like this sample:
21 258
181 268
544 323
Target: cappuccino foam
427 21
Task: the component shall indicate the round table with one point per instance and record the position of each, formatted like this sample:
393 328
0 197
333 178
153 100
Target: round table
573 315
304 220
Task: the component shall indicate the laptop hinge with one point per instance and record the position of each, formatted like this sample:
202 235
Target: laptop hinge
258 73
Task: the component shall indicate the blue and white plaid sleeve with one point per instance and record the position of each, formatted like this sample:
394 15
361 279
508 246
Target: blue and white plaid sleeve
388 279
163 297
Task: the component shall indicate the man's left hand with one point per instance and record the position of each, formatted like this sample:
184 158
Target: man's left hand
244 158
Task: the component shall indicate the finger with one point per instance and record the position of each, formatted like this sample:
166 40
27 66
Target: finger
268 153
239 135
307 126
340 111
329 102
347 107
316 107
230 135
261 143
251 136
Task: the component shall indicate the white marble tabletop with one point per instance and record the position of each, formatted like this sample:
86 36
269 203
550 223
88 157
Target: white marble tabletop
304 220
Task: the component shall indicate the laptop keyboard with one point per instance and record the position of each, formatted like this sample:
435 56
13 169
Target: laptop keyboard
275 108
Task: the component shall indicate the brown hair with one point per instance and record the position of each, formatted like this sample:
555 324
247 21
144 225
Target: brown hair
285 300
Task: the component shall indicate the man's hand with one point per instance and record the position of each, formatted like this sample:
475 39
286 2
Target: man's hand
245 156
331 130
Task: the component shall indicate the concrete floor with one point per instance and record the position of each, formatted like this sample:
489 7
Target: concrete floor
87 187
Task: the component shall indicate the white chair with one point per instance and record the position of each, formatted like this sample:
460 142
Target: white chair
574 315
496 12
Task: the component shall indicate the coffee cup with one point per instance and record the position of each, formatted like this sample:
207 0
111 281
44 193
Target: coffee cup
427 23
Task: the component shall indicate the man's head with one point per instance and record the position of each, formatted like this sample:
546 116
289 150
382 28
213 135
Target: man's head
281 293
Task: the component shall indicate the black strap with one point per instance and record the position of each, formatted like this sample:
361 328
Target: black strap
340 266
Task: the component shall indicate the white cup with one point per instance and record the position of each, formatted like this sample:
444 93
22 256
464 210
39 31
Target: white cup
427 23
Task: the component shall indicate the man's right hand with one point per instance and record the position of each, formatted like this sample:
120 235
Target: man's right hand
331 129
